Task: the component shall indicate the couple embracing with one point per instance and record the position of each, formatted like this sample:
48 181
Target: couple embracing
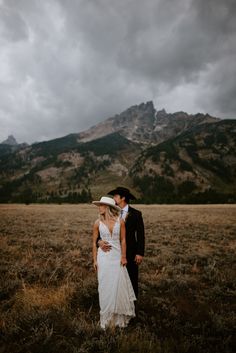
118 249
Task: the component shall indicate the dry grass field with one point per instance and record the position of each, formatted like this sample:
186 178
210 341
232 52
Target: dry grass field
48 289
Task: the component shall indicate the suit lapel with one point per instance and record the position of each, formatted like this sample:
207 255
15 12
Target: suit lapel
128 214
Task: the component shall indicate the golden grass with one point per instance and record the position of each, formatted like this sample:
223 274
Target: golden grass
39 297
48 289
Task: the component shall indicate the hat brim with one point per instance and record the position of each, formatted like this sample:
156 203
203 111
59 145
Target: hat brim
98 203
120 192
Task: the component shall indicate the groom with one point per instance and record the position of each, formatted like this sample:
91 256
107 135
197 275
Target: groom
135 237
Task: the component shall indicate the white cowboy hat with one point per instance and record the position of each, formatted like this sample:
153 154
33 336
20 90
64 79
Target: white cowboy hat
108 201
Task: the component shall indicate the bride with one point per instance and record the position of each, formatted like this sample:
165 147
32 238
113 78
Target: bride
116 294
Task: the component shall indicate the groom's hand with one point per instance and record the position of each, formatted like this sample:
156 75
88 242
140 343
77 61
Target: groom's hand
138 259
104 245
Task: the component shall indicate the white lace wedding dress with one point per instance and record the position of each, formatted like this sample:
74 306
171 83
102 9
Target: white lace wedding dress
116 294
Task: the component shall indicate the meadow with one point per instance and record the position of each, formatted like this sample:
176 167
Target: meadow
48 288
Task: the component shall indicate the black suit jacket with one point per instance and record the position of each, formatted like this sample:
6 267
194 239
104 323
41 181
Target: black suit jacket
135 235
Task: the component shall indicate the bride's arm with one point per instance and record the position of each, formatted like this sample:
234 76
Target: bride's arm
95 236
123 260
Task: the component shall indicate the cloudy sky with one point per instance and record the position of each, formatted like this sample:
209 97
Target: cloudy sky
68 64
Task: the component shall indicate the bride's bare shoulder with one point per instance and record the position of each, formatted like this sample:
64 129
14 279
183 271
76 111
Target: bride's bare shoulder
96 223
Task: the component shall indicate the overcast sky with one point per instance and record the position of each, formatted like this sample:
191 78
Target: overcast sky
66 65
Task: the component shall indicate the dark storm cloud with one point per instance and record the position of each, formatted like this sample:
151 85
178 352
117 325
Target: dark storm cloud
66 65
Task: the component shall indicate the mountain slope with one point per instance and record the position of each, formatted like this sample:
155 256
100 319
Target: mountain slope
197 166
61 167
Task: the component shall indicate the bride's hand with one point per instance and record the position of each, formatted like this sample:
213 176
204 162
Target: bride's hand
123 261
95 266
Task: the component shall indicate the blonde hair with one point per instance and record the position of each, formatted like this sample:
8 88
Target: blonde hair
111 213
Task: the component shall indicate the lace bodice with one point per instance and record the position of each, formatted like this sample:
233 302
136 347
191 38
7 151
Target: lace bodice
105 233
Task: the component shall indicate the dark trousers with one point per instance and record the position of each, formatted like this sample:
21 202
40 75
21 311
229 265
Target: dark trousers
132 269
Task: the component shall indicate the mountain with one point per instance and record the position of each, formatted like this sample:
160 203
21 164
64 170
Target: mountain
10 141
143 124
10 145
162 157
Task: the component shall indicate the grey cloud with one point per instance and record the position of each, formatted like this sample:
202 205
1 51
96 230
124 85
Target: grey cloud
70 64
219 89
12 26
192 38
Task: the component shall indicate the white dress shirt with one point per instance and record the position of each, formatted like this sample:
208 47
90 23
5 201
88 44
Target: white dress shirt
124 212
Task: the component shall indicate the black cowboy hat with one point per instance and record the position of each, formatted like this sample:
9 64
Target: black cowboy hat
122 192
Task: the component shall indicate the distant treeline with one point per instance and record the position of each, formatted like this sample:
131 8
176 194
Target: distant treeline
151 196
153 190
29 196
160 190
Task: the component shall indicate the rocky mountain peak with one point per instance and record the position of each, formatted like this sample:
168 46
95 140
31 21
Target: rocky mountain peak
138 116
143 124
131 123
143 107
161 114
10 141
